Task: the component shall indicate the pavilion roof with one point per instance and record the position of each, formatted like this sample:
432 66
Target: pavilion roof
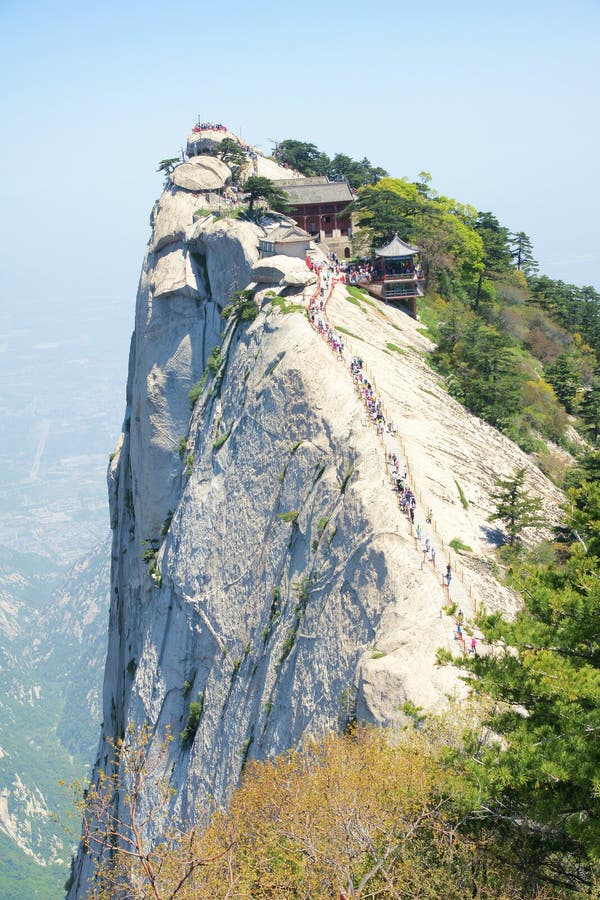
397 248
315 190
287 233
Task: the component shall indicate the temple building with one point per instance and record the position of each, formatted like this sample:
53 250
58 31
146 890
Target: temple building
316 205
396 274
286 240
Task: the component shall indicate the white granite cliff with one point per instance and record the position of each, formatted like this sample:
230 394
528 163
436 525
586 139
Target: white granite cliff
286 590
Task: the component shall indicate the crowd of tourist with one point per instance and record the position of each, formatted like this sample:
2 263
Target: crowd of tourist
356 272
329 273
208 126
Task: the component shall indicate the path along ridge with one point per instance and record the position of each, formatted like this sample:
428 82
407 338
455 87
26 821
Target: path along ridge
456 596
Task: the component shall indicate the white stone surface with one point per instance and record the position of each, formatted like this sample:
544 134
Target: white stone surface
201 173
295 502
171 218
282 270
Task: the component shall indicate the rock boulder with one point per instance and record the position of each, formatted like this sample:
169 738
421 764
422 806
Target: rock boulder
282 271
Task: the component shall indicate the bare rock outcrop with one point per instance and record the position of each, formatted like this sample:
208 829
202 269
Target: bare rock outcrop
201 173
261 566
283 270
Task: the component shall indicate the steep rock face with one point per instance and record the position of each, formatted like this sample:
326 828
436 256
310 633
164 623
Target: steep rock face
281 589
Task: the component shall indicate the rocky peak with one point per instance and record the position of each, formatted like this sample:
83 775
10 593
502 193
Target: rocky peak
261 565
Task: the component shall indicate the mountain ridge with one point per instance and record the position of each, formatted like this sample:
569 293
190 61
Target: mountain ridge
243 602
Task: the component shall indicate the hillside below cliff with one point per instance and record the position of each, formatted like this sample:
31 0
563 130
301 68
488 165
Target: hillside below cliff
265 582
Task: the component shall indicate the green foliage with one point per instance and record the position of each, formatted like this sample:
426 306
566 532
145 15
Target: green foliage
463 500
285 307
322 525
496 251
482 368
155 574
215 360
414 712
220 439
166 166
193 396
359 295
346 332
521 251
387 209
274 614
193 721
301 592
459 546
354 300
291 516
300 589
395 349
347 709
232 155
288 644
22 877
259 188
378 654
515 507
304 157
357 173
310 161
243 307
237 662
149 554
565 378
546 694
576 309
189 464
590 406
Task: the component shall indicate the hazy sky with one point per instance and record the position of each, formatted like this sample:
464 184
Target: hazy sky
498 101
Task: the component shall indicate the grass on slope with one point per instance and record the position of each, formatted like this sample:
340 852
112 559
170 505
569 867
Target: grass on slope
361 295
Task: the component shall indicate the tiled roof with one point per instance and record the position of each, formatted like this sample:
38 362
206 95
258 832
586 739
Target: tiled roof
315 190
396 248
287 233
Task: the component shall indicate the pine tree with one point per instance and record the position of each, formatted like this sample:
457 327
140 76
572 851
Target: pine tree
565 378
590 406
258 188
522 253
496 252
543 677
515 507
232 155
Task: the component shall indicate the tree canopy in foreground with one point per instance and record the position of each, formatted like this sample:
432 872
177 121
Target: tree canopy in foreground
364 814
544 680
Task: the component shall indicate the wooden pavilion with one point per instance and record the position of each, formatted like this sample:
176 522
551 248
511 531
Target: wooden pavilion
396 275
